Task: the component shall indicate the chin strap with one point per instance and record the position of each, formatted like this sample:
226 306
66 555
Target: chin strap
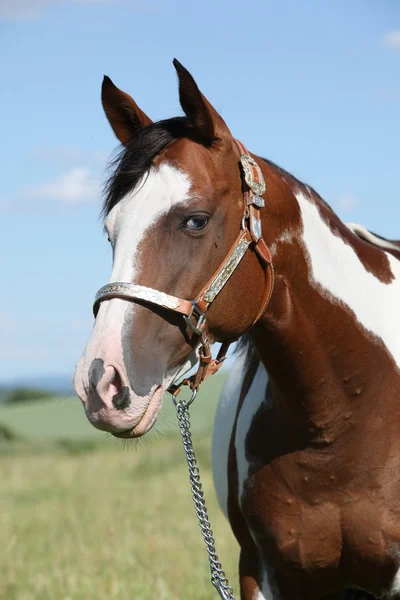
194 311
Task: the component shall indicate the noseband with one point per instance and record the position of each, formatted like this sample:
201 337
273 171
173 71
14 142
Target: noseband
194 311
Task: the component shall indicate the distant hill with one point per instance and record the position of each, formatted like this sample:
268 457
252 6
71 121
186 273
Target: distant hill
58 384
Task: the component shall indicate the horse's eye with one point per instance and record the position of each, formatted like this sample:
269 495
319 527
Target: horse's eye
195 222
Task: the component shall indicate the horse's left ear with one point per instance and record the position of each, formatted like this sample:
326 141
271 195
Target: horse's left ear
209 125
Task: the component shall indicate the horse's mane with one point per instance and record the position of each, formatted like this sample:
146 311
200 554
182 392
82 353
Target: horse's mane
133 161
295 180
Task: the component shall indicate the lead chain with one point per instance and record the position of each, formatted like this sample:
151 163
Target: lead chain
218 578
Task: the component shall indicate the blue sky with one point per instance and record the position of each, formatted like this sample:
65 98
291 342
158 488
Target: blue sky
312 85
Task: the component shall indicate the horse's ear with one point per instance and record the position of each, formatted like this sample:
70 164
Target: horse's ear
209 125
122 112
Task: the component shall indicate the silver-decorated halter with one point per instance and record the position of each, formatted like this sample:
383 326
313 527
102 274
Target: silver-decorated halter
139 292
257 187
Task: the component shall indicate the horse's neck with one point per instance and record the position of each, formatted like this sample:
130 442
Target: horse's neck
331 323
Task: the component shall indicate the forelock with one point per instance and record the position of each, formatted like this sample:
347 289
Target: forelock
133 161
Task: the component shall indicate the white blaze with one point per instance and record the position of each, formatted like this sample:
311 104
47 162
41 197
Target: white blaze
132 217
127 225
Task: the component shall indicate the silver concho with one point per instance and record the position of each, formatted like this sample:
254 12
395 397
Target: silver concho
257 188
258 201
255 227
220 280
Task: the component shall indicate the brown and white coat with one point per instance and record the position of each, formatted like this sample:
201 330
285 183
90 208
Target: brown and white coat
306 445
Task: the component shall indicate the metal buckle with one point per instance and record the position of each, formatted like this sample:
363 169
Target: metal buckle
258 188
201 319
183 403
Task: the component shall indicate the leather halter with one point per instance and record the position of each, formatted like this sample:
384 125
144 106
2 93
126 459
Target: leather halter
194 311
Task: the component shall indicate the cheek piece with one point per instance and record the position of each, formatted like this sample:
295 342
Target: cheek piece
194 312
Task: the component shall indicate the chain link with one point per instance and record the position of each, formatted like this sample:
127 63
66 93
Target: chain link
218 578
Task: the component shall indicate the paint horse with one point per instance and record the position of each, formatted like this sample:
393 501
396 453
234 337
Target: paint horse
306 443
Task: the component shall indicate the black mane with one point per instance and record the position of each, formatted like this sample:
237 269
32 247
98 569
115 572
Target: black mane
289 176
135 160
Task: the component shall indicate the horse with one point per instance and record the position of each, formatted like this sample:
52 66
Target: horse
210 244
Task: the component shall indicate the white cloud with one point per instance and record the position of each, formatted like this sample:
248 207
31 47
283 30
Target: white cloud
32 9
392 39
77 186
346 203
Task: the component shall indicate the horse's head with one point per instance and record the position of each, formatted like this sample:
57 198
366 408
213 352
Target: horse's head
173 210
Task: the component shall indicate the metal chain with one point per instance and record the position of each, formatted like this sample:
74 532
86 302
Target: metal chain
218 578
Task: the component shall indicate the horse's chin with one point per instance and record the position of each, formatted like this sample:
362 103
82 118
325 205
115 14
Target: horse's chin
147 420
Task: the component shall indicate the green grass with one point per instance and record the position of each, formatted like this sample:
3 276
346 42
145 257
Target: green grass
82 516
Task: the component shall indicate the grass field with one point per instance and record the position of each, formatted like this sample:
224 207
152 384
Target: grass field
83 516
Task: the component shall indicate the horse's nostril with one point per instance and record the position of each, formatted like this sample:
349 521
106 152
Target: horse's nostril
107 387
96 373
121 399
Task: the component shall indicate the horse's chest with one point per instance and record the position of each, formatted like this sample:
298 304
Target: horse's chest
318 533
300 532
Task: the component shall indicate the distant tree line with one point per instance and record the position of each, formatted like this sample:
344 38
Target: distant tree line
24 394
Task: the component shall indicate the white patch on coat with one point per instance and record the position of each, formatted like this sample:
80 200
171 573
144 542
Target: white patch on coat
222 433
255 397
394 591
336 268
286 237
266 592
127 224
133 216
223 424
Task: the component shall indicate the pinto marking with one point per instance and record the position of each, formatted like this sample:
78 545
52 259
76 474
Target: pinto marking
329 273
285 238
394 591
222 432
127 225
327 253
223 425
254 399
265 593
130 219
